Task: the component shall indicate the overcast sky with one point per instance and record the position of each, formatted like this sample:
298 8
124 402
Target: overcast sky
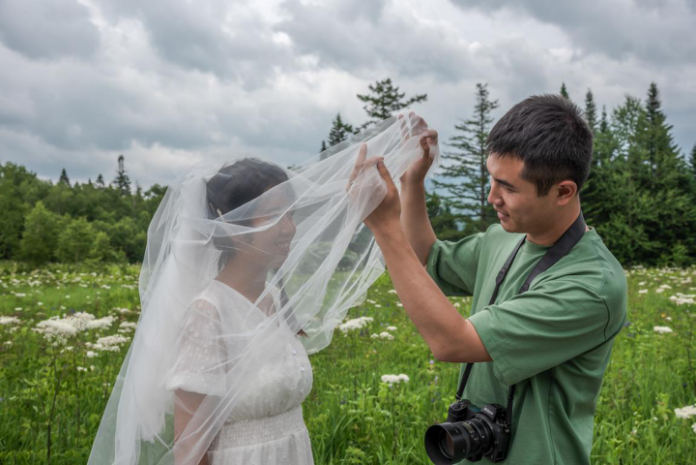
167 82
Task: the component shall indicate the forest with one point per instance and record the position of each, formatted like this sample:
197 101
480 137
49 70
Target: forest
641 194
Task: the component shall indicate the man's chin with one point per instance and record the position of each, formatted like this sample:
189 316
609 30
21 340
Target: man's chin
508 226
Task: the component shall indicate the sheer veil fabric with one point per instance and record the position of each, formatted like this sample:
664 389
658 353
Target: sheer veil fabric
293 237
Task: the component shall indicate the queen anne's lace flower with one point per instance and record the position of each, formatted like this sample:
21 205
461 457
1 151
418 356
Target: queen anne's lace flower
356 323
9 320
662 329
395 379
685 412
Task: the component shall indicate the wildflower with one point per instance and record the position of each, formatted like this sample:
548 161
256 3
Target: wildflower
386 335
109 343
395 379
55 330
392 291
399 304
662 329
685 412
693 427
91 354
18 309
643 291
9 320
101 323
356 323
391 328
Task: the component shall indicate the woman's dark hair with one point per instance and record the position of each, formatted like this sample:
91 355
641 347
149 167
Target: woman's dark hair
235 185
549 134
239 183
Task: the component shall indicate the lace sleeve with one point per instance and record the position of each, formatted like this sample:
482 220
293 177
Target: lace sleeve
200 354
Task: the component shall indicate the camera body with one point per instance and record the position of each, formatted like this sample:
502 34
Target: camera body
469 433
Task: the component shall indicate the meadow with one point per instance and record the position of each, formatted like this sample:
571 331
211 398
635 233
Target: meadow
54 385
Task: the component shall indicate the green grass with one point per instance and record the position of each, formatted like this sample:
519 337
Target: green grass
353 417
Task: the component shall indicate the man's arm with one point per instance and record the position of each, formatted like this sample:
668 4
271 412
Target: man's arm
450 336
414 213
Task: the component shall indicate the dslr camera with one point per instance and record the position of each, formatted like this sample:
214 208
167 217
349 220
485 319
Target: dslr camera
469 433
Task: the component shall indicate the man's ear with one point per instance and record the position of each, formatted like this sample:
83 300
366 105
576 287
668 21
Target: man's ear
566 191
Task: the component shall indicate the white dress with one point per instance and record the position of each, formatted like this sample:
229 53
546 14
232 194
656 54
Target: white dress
266 424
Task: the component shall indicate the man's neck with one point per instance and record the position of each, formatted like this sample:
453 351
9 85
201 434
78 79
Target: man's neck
550 235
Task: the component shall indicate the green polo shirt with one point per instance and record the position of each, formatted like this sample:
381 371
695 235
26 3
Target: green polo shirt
553 342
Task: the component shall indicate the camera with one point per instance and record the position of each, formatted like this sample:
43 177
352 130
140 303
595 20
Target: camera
469 433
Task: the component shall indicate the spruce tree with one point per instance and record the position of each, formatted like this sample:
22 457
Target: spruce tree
122 181
323 146
100 181
564 91
590 111
692 162
468 179
339 132
384 99
64 178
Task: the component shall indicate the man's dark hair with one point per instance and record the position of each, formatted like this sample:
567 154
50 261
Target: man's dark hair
549 134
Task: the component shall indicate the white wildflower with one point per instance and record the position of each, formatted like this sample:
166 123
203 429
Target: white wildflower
391 328
643 291
662 329
356 323
395 379
18 309
393 291
55 330
693 427
91 354
110 343
386 335
685 412
101 323
9 320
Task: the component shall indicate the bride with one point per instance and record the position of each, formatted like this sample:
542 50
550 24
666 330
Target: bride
248 269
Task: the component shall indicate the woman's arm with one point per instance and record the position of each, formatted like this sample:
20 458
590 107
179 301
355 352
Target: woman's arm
187 404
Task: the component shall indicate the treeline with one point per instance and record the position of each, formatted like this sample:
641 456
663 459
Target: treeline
93 221
641 194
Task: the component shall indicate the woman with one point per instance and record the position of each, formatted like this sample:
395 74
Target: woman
239 283
266 424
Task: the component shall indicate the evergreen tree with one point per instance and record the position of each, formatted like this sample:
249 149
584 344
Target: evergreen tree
323 146
564 91
64 178
100 182
590 111
692 162
122 181
384 99
339 131
442 219
468 179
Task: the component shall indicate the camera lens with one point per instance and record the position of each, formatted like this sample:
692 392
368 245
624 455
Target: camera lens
446 444
449 443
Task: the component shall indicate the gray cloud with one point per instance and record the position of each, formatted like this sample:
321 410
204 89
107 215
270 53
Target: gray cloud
657 31
47 28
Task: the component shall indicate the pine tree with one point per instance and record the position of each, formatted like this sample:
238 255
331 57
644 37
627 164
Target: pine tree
122 181
590 111
100 182
64 178
469 184
384 99
323 146
692 162
564 91
339 132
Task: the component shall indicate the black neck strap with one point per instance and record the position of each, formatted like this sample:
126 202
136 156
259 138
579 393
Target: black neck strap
557 251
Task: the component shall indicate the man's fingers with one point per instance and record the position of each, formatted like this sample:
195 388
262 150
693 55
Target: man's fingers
362 154
427 139
384 172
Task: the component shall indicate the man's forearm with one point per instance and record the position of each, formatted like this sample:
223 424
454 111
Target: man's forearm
415 222
450 336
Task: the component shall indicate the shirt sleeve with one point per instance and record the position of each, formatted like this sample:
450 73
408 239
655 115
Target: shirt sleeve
200 355
541 328
453 265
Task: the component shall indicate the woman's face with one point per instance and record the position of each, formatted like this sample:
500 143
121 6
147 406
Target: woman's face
272 245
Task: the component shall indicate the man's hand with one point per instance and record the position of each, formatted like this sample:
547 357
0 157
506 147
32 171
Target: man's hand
388 213
415 175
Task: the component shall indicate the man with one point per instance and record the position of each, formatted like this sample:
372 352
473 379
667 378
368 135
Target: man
552 342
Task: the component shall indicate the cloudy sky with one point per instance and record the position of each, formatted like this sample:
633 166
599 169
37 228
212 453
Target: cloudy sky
167 82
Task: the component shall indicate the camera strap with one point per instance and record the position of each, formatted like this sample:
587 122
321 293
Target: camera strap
558 250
